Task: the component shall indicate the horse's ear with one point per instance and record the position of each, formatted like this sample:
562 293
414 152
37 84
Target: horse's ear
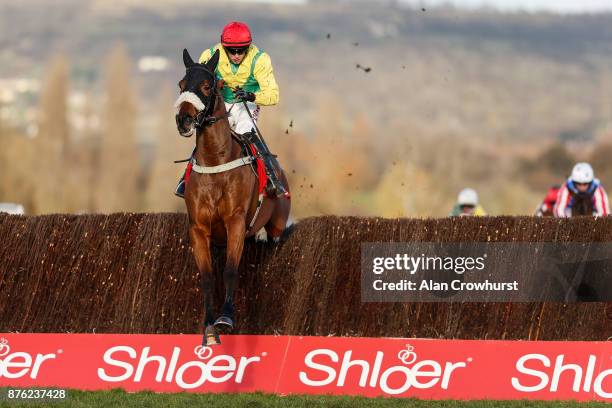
187 58
220 84
213 61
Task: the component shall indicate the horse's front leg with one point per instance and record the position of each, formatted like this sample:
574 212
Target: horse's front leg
200 245
236 231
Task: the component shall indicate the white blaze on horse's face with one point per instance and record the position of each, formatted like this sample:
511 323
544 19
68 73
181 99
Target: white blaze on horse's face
195 101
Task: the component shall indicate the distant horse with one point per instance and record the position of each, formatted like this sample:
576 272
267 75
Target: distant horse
582 204
223 194
581 287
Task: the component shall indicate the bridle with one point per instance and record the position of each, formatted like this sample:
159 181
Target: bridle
206 118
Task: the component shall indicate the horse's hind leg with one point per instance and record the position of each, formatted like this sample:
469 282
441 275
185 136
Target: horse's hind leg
236 230
200 245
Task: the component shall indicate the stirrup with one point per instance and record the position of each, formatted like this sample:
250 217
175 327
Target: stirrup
180 189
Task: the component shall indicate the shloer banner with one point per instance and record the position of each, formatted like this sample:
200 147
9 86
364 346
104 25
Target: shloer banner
421 368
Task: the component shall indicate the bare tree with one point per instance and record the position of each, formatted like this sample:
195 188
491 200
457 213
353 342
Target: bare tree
52 140
164 173
89 157
117 189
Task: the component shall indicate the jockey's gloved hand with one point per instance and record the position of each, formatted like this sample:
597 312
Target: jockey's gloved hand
242 95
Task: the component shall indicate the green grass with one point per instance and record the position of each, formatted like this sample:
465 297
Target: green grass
119 398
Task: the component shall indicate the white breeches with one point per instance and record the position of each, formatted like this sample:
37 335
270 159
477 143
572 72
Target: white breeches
239 119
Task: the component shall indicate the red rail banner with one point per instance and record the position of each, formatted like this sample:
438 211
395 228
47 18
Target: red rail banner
392 367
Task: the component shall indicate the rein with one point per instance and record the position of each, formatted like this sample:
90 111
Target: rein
203 119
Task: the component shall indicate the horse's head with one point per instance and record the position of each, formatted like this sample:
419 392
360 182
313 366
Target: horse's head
582 204
198 91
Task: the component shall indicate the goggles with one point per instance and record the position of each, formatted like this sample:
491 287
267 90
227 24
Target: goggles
236 51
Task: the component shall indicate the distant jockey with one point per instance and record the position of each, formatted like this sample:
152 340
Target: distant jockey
249 77
581 183
545 209
467 204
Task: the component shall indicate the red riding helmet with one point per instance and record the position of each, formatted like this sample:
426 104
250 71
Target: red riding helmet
236 34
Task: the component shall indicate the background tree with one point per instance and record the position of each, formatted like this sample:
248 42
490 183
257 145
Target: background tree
119 170
52 142
164 174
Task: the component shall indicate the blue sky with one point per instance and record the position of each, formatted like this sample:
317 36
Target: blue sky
561 6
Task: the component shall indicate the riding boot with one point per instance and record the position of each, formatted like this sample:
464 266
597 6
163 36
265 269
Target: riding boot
180 188
274 186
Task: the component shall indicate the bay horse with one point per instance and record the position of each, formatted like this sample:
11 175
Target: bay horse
582 204
223 194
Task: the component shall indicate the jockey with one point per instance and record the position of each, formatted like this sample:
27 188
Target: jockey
467 204
581 183
248 77
545 209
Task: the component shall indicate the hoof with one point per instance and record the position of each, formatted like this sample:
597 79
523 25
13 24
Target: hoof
211 337
224 323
